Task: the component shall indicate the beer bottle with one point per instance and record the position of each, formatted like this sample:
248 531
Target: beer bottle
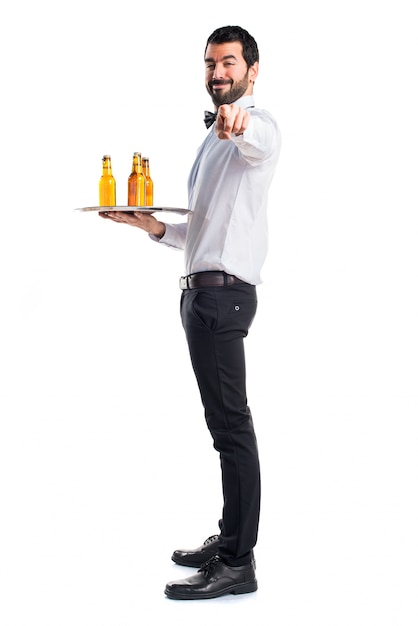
107 184
149 185
136 182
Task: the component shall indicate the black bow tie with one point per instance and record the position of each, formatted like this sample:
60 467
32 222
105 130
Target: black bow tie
209 118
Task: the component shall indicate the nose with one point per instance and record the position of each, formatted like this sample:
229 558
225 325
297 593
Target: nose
218 71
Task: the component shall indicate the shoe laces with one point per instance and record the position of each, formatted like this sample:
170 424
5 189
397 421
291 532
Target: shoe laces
211 539
209 565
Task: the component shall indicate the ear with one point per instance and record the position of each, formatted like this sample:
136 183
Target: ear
253 71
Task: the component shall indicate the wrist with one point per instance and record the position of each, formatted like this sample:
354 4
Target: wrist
158 230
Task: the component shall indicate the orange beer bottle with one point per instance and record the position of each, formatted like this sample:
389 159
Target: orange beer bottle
136 182
149 185
107 184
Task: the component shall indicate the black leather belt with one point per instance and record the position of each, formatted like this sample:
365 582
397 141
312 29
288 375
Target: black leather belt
208 279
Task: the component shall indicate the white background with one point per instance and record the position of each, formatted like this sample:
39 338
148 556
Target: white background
105 462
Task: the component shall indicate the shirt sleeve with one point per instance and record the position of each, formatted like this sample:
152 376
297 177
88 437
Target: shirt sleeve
261 140
174 236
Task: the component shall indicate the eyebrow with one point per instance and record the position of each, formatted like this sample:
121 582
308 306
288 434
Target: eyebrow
227 56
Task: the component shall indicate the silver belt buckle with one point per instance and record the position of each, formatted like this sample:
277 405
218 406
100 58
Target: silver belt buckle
183 282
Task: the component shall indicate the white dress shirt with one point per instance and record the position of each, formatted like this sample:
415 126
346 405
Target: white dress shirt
228 189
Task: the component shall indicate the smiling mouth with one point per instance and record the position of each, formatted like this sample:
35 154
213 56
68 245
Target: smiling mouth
219 85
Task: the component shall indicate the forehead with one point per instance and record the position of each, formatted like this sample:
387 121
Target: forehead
218 51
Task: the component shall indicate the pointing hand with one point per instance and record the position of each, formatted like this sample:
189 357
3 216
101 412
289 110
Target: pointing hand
231 120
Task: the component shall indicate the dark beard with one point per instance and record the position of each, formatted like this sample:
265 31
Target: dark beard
228 97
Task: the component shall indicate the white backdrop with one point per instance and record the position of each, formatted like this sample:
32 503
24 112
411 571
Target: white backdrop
105 462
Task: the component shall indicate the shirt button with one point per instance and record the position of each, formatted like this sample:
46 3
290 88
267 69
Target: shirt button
236 307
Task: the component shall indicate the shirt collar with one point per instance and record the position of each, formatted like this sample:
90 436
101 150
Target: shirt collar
245 102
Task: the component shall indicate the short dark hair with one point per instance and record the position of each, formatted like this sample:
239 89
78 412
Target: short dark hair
227 34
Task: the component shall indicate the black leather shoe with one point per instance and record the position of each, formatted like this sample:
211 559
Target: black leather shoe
215 578
195 558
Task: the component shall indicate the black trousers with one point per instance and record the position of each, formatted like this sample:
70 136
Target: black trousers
216 320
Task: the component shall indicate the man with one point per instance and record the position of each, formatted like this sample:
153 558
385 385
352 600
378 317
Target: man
225 245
